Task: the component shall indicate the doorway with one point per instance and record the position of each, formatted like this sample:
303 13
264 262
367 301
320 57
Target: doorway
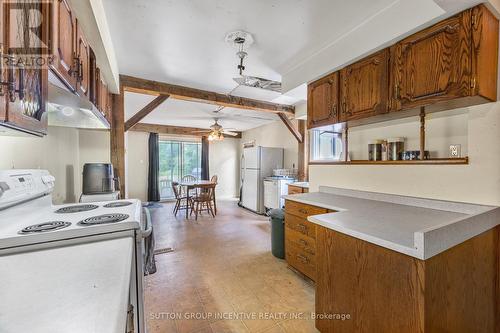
177 159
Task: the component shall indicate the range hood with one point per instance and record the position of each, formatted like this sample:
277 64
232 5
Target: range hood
66 109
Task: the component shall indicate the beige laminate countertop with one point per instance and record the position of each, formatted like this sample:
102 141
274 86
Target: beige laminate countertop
417 227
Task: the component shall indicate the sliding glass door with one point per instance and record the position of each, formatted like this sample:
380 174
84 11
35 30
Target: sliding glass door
177 159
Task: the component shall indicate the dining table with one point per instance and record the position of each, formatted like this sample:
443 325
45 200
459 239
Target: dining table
190 185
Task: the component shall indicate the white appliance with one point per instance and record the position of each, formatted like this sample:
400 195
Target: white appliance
70 268
113 196
257 163
274 190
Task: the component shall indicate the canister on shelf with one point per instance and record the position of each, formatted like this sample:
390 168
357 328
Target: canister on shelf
395 148
375 150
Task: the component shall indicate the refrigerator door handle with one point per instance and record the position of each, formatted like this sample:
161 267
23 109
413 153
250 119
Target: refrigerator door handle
243 167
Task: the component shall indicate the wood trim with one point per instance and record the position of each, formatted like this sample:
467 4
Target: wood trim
136 118
175 130
118 139
143 86
303 158
436 161
291 127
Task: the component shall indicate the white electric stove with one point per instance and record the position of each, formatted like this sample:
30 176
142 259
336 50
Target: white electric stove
69 268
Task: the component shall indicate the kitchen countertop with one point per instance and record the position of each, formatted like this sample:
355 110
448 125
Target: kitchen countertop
300 184
417 227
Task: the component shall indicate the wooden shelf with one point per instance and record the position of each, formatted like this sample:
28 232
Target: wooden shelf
435 161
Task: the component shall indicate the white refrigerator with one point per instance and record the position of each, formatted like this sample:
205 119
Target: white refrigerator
257 163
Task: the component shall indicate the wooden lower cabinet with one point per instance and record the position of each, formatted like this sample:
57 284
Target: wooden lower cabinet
297 189
386 291
300 237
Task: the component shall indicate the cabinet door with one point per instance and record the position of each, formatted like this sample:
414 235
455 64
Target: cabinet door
92 77
363 87
110 108
83 55
3 72
432 65
103 97
26 36
63 34
322 105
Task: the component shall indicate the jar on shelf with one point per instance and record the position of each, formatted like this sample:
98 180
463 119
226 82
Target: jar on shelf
395 149
375 150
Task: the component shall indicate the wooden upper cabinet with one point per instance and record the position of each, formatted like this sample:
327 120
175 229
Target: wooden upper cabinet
432 65
83 65
3 73
484 53
24 101
364 87
322 102
92 77
64 43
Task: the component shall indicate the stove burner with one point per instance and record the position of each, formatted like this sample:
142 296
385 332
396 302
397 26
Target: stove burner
76 209
104 219
118 204
45 227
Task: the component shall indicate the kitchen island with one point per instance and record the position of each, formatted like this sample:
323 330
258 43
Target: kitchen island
399 264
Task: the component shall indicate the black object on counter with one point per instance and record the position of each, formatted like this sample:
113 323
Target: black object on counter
98 178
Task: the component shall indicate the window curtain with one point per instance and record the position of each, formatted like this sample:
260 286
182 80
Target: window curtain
205 173
154 168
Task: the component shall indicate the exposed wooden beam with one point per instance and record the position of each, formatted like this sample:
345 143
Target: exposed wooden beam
291 127
138 85
145 111
175 130
303 160
117 138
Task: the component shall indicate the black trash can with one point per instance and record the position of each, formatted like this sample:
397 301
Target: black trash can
277 232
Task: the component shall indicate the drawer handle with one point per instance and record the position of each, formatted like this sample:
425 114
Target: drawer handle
303 211
303 242
305 260
302 227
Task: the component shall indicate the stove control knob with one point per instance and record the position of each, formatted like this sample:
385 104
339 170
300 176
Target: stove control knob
3 188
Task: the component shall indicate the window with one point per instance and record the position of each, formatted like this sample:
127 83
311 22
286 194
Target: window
177 159
326 144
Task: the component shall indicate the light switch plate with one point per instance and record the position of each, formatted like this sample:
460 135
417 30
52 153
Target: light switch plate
455 151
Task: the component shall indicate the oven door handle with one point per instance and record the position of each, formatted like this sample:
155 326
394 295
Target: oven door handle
149 225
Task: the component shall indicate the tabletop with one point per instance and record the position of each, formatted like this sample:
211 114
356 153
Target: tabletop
197 183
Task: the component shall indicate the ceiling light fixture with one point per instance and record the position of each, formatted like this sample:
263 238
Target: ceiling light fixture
241 41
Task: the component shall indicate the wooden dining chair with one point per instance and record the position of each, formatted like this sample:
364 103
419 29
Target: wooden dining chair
188 178
203 201
181 201
215 180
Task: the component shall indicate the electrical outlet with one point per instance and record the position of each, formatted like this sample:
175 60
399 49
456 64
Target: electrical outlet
455 151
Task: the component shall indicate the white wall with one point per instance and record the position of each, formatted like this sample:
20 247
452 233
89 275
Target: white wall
224 162
442 129
478 182
63 152
136 157
278 136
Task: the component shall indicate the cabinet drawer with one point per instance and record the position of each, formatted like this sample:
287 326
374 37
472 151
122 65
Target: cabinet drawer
303 210
300 225
304 243
294 189
301 261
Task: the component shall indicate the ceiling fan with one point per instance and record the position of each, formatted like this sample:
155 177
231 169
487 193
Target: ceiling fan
217 132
